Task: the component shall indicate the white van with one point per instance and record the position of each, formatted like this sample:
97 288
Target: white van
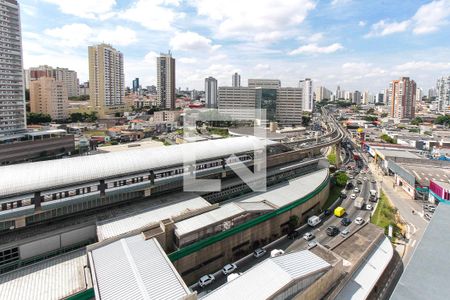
373 195
313 221
276 252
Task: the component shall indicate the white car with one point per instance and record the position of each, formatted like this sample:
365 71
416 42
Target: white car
229 269
359 220
353 196
206 280
365 178
369 207
356 190
345 232
308 236
276 252
259 252
311 245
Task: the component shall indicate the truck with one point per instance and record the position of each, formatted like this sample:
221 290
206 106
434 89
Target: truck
359 202
313 221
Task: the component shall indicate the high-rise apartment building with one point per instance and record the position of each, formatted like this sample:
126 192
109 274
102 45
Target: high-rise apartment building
211 92
308 95
264 83
443 94
289 106
49 96
165 74
69 77
236 80
402 95
106 79
322 93
356 98
12 96
84 89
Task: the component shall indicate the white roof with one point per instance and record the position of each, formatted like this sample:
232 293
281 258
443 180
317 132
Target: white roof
123 224
44 175
134 268
53 278
214 216
269 277
364 279
292 191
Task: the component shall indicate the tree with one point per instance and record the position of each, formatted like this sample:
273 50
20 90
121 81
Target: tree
442 120
388 139
38 118
384 115
341 179
417 121
293 222
370 111
306 120
371 118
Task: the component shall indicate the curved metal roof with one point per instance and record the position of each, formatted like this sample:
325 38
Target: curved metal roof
23 178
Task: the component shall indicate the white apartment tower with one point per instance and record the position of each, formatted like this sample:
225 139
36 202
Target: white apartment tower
402 96
12 96
211 92
308 94
106 79
443 94
236 80
166 94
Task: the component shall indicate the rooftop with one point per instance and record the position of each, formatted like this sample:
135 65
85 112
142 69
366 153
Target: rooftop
424 173
398 153
426 275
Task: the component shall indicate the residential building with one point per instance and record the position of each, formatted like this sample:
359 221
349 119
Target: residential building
289 106
106 79
379 98
12 98
308 95
166 116
49 96
68 77
236 80
237 101
443 94
264 83
356 97
402 94
84 89
322 93
365 98
211 92
165 73
136 85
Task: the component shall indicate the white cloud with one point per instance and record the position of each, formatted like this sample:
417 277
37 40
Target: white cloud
266 20
191 41
430 17
315 49
151 57
362 23
187 60
340 2
262 67
89 9
384 27
312 38
81 35
152 14
422 66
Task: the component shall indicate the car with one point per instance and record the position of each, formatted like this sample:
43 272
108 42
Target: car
353 196
356 190
308 236
349 186
432 209
428 217
343 195
345 232
359 221
350 177
327 212
368 207
359 181
293 235
311 245
276 252
259 252
346 221
228 269
206 280
332 230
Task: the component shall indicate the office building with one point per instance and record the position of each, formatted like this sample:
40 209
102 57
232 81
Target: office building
68 77
106 79
49 96
264 83
236 80
356 97
211 92
12 98
136 85
379 98
289 106
443 94
165 73
308 95
237 102
402 94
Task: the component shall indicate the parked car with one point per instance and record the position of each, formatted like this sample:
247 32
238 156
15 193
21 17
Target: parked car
311 245
327 212
206 280
276 252
359 181
356 190
313 221
365 178
346 221
332 230
259 252
228 269
353 196
308 236
368 207
428 217
345 232
359 221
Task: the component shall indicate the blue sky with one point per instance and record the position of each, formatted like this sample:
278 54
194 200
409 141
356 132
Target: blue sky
357 44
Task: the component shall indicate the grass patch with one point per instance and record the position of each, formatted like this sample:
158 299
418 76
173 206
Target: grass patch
335 192
219 131
332 157
385 215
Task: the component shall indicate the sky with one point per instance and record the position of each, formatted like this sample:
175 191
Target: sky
357 44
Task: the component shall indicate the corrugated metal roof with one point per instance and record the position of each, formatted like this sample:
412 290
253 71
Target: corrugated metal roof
60 172
54 278
292 191
269 277
211 217
117 226
255 206
134 268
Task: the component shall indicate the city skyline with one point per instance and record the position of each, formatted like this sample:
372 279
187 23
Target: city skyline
360 46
